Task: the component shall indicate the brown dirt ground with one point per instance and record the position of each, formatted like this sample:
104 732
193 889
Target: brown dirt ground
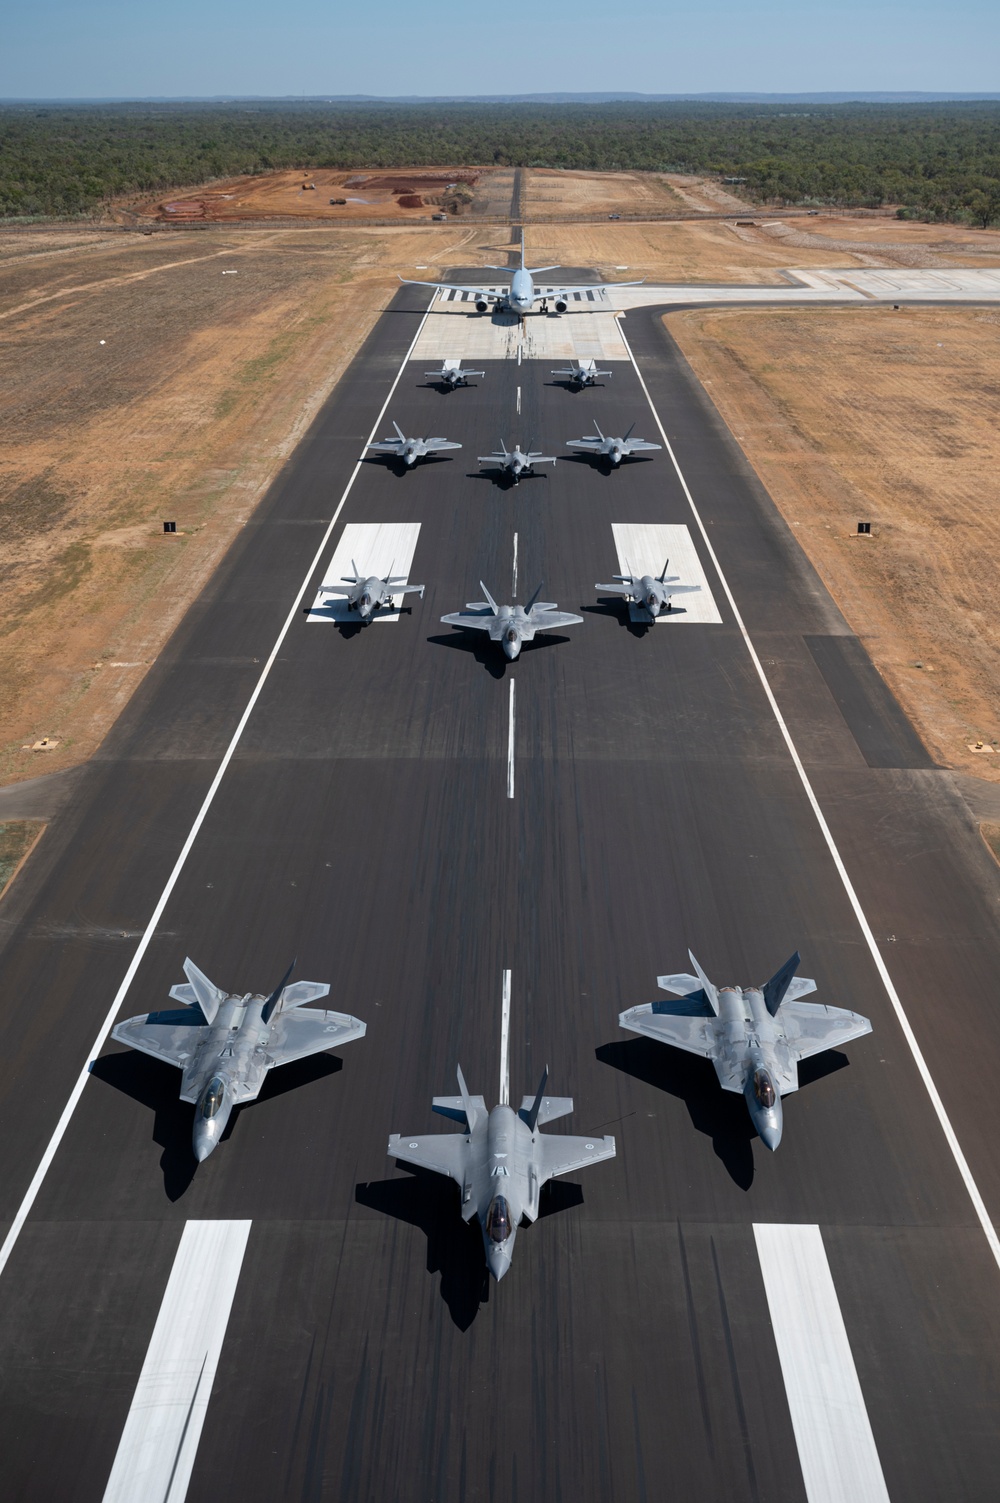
274 195
545 191
893 417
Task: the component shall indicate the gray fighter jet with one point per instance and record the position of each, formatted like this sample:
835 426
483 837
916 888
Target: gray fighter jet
367 594
510 625
451 374
515 462
581 373
501 1161
649 593
409 450
225 1043
754 1035
612 450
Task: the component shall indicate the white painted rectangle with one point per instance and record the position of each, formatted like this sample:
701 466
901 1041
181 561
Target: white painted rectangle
644 547
159 1443
376 548
832 1431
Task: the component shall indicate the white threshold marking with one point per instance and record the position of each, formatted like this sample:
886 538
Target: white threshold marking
505 1041
377 548
643 548
513 587
510 745
45 1163
156 1453
989 1231
833 1434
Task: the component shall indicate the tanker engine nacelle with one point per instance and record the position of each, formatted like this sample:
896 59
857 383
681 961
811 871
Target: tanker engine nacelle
561 305
481 305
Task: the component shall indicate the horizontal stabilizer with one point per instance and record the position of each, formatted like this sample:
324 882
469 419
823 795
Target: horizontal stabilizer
184 992
680 983
301 992
549 1109
454 1107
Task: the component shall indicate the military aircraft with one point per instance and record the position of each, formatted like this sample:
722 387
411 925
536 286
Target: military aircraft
451 374
582 373
409 450
501 1160
368 594
522 295
649 593
515 462
225 1043
510 625
613 450
754 1035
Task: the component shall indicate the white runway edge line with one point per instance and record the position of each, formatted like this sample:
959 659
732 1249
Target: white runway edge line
510 745
67 1113
505 1041
945 1122
833 1433
159 1443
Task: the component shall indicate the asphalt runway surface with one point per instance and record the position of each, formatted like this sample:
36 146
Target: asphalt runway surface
363 826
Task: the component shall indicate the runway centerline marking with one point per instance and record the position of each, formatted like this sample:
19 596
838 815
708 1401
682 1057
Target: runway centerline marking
66 1116
944 1121
157 1450
513 587
505 1041
510 744
833 1434
519 401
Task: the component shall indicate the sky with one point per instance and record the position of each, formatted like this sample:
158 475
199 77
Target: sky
58 49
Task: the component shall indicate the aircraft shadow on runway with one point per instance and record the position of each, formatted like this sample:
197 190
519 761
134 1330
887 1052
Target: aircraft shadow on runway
156 1086
721 1115
595 462
501 480
615 607
490 654
391 463
349 629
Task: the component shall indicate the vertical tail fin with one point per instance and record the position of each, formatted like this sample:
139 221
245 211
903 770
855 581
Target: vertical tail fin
775 989
471 1112
661 578
527 608
536 1105
600 434
402 435
275 996
208 994
495 608
711 993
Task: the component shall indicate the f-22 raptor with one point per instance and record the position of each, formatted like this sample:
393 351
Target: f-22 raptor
226 1043
409 450
501 1161
754 1035
367 594
611 450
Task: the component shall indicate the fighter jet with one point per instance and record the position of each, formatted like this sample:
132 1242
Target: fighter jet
510 625
650 594
582 373
368 594
754 1035
451 374
409 450
515 462
613 450
225 1043
522 295
501 1160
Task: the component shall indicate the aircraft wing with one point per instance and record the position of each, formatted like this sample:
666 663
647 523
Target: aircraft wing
586 287
681 589
440 443
561 1155
463 618
615 589
682 1029
811 1027
548 619
594 443
636 445
387 446
170 1036
298 1033
402 589
459 286
445 1153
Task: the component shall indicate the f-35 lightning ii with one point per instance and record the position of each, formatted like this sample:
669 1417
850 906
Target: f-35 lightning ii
650 593
409 450
511 625
515 462
522 294
225 1043
451 374
501 1161
581 373
613 450
754 1035
368 594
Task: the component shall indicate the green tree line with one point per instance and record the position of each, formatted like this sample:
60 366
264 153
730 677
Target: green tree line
936 161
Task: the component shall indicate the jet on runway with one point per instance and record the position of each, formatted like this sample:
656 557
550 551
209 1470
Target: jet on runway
581 373
515 462
522 295
368 594
451 374
511 625
225 1044
409 450
614 450
754 1035
649 593
501 1161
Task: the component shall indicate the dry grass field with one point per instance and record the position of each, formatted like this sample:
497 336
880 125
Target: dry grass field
893 417
545 191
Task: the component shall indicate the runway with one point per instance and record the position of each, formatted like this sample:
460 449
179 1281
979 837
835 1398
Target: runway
640 1345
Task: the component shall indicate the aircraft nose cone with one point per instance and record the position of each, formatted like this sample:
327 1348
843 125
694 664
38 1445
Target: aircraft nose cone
769 1131
203 1142
511 649
498 1258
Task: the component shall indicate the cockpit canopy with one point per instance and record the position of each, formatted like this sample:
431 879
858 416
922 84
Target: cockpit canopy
763 1089
212 1097
498 1227
511 634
